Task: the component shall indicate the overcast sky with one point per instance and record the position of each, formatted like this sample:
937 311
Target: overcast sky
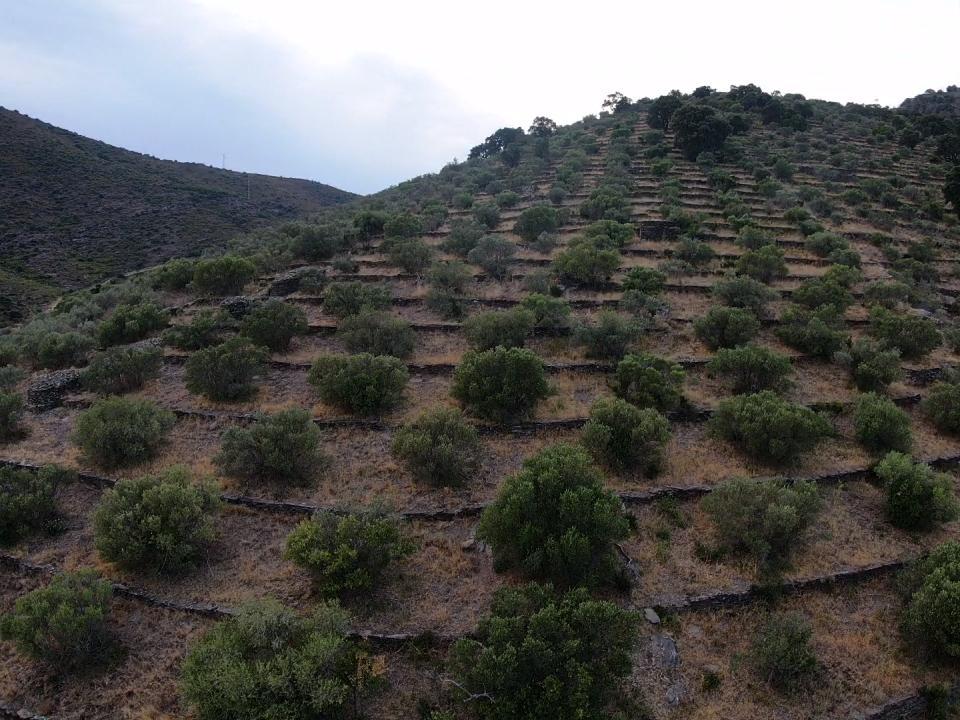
362 94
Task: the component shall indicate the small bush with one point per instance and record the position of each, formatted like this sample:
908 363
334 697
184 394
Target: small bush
762 518
122 369
744 292
202 331
11 414
824 243
10 376
507 328
725 327
769 428
226 371
917 497
500 384
448 282
764 264
931 614
546 655
645 280
412 256
488 215
549 313
781 653
819 292
439 447
942 404
223 276
553 519
117 431
817 333
317 242
888 294
403 226
609 337
377 333
57 350
695 252
156 523
29 501
880 425
63 624
274 324
614 234
268 662
535 220
647 381
623 436
279 448
174 274
585 263
751 368
346 553
913 336
494 254
873 368
463 237
351 298
130 323
753 238
361 383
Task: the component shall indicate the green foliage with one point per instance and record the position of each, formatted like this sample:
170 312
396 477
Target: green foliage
274 324
623 436
403 226
63 624
880 425
586 262
762 518
369 223
917 497
281 448
439 447
463 237
54 350
824 243
350 298
754 238
362 383
647 381
818 292
507 328
157 523
225 372
554 520
493 253
377 333
768 427
10 376
611 233
607 202
873 368
942 404
608 337
130 323
535 220
781 654
268 662
913 336
222 276
699 128
347 553
122 369
744 292
174 274
118 431
11 414
540 654
695 252
318 242
817 333
549 313
412 256
751 368
932 613
764 264
500 384
488 215
646 280
29 501
724 327
202 331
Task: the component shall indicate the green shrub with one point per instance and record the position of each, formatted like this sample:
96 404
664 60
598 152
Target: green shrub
369 223
29 501
377 333
645 280
913 336
122 369
762 518
507 199
347 553
751 368
623 436
764 264
157 523
585 263
609 337
318 242
541 654
614 234
754 238
280 448
744 292
819 292
554 520
695 252
11 414
880 425
942 404
362 383
274 324
824 243
403 226
57 350
174 274
724 327
931 614
549 313
448 282
781 654
493 253
268 662
507 328
226 371
647 381
873 368
463 237
117 431
63 624
917 497
222 276
10 376
768 427
130 323
816 333
845 257
202 331
488 215
439 447
351 298
412 256
500 384
535 220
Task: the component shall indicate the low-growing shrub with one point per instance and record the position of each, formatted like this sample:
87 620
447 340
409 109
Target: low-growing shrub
488 215
402 226
583 262
726 327
11 414
815 332
873 368
768 427
751 368
609 336
942 404
274 324
880 425
57 350
202 331
412 256
744 292
118 431
174 274
824 243
549 313
917 497
754 238
225 371
614 234
781 654
362 383
913 336
535 220
493 253
646 280
500 384
463 237
695 252
129 323
765 264
223 276
280 448
554 520
819 292
439 447
349 298
623 436
122 369
347 553
377 333
312 241
448 281
507 328
931 614
29 501
889 294
647 381
157 523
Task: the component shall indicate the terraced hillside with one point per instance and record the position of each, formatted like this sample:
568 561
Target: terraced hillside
782 305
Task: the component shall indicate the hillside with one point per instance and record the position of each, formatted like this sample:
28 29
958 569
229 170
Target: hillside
692 361
77 210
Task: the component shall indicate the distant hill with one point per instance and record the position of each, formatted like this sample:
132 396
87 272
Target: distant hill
75 210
